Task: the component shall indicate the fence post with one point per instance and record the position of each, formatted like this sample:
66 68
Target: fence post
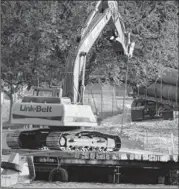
112 100
147 142
94 101
160 141
172 140
101 102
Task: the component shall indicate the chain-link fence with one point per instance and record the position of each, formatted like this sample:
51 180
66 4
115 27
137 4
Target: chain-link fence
105 100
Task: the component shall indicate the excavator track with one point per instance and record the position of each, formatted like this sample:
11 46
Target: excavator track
55 140
84 140
52 140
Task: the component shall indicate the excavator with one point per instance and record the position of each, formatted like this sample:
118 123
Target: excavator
69 124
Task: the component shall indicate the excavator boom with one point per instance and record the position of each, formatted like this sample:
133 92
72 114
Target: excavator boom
104 12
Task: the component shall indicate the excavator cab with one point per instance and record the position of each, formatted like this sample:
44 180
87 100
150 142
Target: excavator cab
50 95
53 91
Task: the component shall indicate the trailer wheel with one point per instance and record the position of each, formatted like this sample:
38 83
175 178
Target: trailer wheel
11 166
152 114
58 174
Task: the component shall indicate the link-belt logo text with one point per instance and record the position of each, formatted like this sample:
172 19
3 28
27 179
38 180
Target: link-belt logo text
38 108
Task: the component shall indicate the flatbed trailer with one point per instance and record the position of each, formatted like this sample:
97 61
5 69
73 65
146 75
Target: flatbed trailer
159 99
109 165
173 104
148 107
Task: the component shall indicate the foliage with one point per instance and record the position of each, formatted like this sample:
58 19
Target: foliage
38 36
154 27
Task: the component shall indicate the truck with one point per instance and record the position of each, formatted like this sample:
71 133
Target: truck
69 124
159 99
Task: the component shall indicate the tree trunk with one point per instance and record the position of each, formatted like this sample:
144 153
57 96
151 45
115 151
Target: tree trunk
54 7
10 111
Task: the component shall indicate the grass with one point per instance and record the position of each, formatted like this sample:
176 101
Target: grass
156 136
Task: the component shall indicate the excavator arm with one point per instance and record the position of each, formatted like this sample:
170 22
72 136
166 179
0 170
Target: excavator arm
104 12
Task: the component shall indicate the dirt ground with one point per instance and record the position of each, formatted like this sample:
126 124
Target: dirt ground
155 135
40 184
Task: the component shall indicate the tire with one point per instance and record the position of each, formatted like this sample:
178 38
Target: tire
152 114
58 174
12 166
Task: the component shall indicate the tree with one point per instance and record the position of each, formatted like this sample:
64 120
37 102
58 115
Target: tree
26 44
154 27
36 39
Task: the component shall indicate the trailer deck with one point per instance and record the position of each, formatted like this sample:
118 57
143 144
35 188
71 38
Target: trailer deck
122 157
107 166
173 104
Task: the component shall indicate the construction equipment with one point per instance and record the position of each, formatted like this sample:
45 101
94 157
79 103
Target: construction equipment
44 91
68 122
159 99
44 94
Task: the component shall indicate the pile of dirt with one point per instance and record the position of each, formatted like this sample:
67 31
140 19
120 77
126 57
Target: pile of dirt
116 120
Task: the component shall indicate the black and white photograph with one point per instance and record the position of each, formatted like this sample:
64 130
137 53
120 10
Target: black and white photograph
89 94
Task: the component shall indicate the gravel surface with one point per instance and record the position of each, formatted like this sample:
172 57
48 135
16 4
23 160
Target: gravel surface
38 184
